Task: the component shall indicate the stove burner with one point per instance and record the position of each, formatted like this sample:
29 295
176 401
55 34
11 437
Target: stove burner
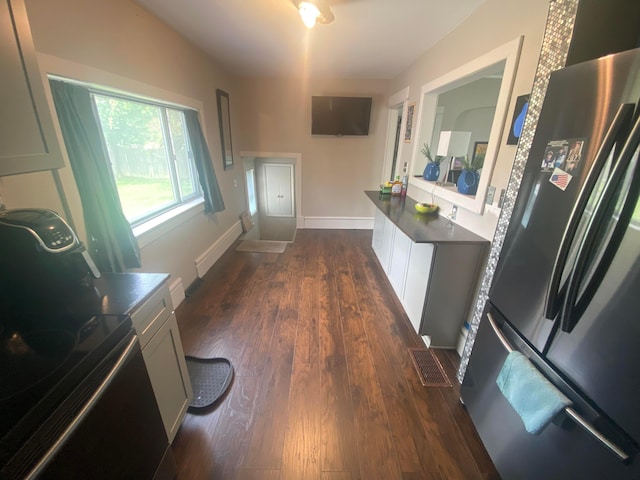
29 358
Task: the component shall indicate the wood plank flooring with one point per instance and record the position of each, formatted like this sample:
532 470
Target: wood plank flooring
325 388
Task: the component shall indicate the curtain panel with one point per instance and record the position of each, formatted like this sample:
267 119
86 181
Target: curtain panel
111 242
213 201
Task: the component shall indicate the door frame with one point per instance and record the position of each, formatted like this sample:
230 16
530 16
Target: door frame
397 101
297 181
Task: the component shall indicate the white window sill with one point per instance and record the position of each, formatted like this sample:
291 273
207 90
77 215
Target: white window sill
150 231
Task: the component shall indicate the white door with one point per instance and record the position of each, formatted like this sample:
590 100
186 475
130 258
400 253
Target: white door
279 189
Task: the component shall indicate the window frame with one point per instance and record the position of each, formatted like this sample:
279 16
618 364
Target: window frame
180 203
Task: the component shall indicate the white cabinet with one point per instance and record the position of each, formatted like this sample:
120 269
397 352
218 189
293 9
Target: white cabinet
383 232
417 282
435 282
399 261
167 370
433 266
159 337
27 138
406 263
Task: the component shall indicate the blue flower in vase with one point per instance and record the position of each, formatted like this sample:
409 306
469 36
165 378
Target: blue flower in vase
469 178
432 169
431 172
468 182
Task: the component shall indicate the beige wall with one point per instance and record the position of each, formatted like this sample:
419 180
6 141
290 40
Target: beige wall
119 44
495 23
276 117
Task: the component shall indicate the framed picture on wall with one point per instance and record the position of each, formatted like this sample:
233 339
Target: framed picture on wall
479 152
409 128
224 120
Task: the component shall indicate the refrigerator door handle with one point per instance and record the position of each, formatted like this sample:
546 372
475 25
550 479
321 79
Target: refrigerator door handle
555 291
573 307
575 416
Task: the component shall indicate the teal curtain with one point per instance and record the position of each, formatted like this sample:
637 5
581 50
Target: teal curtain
111 242
211 191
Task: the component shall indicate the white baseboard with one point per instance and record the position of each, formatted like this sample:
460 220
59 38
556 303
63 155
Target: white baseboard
339 223
177 292
205 261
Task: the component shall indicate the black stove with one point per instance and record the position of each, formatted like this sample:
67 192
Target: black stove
43 357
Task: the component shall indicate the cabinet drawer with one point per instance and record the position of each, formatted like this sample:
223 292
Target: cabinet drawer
151 315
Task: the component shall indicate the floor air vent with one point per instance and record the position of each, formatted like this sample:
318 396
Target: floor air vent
429 368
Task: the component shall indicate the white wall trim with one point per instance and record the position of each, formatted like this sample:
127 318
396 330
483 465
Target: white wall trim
177 292
339 223
159 226
205 261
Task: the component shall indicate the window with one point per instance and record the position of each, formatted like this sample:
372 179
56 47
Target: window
251 191
150 155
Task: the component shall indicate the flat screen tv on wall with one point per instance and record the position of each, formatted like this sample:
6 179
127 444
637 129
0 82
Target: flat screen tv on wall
340 115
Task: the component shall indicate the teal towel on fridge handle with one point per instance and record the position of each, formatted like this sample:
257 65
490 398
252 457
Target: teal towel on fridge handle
530 394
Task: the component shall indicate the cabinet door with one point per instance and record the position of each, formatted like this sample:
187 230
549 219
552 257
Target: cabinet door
388 231
27 138
417 282
279 190
378 231
400 251
167 369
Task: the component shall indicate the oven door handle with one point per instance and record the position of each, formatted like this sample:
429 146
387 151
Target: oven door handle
126 354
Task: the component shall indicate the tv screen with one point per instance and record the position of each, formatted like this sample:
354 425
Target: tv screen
340 115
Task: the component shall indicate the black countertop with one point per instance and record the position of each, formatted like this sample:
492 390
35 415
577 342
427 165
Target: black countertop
420 227
120 293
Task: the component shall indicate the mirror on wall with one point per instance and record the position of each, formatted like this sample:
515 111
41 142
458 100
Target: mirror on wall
471 100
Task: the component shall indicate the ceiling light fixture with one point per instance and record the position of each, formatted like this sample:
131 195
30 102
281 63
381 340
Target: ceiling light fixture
314 11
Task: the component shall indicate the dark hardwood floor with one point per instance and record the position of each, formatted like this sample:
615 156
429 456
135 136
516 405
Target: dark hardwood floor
324 384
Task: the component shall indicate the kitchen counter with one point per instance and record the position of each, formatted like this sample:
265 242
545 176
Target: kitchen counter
421 228
121 293
432 264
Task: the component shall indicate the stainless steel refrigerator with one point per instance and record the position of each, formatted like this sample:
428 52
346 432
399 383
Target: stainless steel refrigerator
566 292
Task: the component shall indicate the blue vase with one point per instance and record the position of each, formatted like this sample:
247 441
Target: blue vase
431 172
468 182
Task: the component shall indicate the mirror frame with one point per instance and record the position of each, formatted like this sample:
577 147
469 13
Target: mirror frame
224 120
510 54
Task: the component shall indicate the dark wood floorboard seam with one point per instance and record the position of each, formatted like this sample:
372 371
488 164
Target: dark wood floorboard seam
324 388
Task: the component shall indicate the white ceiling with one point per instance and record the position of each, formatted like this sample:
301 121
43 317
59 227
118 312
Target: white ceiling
368 39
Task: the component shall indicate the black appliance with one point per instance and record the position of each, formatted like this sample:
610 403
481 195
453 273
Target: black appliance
42 259
566 292
340 115
76 401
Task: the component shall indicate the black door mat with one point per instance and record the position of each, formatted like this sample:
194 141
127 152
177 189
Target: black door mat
210 379
429 368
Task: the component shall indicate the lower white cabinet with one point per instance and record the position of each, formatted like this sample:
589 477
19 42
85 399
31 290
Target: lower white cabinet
406 263
417 282
383 232
163 355
167 370
433 268
399 262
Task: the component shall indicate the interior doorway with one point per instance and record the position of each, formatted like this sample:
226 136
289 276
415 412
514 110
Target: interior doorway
396 124
272 184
